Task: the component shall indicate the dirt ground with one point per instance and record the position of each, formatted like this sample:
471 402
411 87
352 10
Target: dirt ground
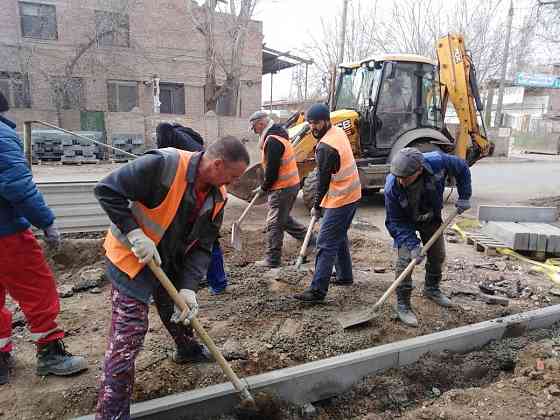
259 321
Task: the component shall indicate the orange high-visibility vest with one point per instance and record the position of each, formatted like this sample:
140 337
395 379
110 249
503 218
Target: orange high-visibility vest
345 186
154 222
288 175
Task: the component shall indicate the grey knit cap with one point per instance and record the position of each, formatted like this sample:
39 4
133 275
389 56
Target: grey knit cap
406 162
257 115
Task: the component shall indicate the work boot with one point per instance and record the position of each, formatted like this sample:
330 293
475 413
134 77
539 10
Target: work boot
266 264
435 295
52 358
342 282
433 292
6 364
310 296
194 353
404 310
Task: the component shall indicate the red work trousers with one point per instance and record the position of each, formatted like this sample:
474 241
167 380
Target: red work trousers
26 277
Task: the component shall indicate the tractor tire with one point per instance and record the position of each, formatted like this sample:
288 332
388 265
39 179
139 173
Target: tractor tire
310 184
426 147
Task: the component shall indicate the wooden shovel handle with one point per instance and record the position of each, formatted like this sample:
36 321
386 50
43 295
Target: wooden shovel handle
413 263
251 204
172 291
306 240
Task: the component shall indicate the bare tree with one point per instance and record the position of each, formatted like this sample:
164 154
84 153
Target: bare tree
223 26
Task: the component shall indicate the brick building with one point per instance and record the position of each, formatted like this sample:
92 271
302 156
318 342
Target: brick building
93 65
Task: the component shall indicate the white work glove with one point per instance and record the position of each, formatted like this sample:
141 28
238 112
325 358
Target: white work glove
143 247
416 254
462 205
185 317
259 191
52 236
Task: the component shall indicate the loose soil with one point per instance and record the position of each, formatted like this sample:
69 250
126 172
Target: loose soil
259 317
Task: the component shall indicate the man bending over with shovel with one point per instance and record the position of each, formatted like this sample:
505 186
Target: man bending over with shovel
413 202
281 183
167 206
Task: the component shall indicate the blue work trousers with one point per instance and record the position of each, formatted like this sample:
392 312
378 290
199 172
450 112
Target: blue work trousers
332 247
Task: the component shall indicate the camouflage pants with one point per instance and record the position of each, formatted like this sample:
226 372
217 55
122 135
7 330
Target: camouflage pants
129 324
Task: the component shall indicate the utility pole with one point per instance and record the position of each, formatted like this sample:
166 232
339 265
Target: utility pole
498 117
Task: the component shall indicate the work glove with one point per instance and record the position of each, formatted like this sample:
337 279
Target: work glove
52 236
143 247
462 205
416 254
259 191
316 212
185 317
426 217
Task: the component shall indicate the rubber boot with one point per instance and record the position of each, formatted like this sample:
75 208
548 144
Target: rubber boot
404 310
53 359
433 292
193 353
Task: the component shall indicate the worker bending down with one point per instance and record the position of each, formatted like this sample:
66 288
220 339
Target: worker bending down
413 203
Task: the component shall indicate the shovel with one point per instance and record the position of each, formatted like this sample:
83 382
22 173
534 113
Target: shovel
352 319
226 368
303 250
236 227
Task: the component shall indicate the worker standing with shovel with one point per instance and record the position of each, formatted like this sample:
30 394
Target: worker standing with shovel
165 206
338 193
281 184
413 202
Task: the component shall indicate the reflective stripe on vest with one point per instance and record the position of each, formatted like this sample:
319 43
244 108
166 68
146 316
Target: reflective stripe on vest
288 174
154 222
345 186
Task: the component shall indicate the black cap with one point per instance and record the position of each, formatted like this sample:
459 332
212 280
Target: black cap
407 162
318 112
4 106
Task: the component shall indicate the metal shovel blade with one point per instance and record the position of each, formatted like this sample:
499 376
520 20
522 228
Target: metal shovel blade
355 318
236 236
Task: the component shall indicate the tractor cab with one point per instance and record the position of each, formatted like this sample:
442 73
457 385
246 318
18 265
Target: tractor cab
392 94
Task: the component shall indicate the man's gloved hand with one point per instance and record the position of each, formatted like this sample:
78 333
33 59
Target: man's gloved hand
416 254
462 205
143 247
259 191
185 317
52 236
426 217
316 212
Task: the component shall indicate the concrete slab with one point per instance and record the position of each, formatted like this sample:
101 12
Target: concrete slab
489 213
514 235
322 379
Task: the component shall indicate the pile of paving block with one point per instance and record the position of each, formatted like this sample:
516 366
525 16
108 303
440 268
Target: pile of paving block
57 146
523 228
131 143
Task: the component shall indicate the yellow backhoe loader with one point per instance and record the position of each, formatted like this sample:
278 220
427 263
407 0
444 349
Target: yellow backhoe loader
389 102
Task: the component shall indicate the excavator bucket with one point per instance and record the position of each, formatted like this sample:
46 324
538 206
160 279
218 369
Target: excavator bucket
243 188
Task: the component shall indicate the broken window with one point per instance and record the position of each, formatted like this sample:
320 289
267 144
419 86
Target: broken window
172 98
66 93
38 20
112 29
122 95
15 87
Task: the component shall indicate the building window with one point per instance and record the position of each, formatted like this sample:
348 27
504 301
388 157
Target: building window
66 93
172 98
15 87
123 95
112 29
38 20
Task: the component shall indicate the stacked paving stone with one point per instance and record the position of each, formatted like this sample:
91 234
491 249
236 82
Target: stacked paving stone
47 144
77 150
131 143
523 228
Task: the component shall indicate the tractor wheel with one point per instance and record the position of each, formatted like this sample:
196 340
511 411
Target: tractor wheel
310 187
426 147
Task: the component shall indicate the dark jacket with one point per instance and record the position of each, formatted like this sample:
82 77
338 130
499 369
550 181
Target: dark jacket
328 163
186 247
179 137
399 211
21 203
273 151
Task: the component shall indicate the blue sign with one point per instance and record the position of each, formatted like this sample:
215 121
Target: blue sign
538 80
